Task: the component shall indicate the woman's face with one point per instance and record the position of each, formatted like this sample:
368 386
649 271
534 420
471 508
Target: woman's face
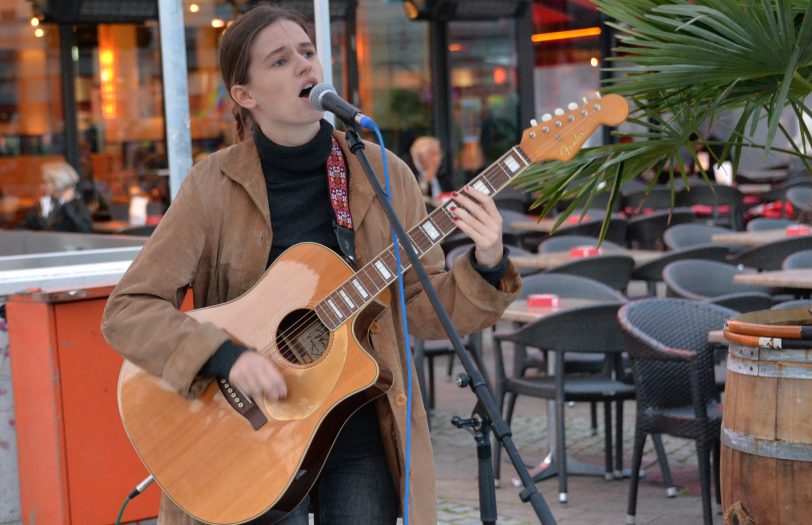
284 67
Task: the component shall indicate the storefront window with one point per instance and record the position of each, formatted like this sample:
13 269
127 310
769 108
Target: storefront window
482 64
566 41
31 122
394 77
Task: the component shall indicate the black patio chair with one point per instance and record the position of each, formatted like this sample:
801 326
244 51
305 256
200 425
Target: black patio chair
798 260
562 243
713 281
726 202
801 199
656 198
572 287
795 303
771 256
563 332
614 271
429 350
139 231
616 230
683 236
652 271
763 223
673 364
646 231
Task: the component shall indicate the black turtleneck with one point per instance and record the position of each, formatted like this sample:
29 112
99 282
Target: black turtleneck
298 191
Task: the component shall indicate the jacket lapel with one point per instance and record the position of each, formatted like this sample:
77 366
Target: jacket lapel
243 167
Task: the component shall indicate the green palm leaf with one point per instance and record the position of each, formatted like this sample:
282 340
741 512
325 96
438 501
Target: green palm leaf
681 63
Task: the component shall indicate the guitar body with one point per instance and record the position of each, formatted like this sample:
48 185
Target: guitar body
205 455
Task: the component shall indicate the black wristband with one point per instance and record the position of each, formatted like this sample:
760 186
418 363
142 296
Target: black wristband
492 275
220 363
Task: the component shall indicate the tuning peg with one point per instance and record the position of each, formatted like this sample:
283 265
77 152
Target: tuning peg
597 94
534 122
546 117
558 112
585 100
572 105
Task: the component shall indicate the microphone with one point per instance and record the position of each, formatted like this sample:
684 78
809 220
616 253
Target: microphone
324 98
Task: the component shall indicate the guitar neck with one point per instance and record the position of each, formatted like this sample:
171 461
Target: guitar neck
353 295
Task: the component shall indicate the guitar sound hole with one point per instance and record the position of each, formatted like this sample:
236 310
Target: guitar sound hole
302 338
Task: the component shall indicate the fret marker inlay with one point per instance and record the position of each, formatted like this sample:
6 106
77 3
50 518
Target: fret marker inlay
430 230
361 289
335 309
382 269
479 185
511 163
346 299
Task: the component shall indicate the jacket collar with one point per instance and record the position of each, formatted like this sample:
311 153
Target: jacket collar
241 164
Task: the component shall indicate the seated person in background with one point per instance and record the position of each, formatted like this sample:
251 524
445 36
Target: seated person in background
427 156
59 208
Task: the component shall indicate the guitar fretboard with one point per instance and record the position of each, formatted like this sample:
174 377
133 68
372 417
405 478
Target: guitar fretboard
354 294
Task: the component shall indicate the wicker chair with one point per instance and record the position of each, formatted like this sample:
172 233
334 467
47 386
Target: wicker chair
771 256
564 332
717 197
673 365
562 243
801 259
687 235
646 231
652 271
612 270
712 281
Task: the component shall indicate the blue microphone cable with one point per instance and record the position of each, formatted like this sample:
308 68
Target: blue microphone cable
402 295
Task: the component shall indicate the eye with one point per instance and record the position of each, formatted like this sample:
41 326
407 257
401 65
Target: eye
279 63
309 54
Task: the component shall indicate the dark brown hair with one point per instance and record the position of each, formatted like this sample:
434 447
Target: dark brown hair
234 55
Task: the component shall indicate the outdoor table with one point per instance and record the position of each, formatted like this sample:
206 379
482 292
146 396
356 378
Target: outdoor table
755 238
798 279
545 261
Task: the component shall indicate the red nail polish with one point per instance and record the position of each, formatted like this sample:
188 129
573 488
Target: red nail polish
455 194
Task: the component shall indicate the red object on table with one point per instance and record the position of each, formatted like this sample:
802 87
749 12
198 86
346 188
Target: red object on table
585 251
576 219
796 230
542 300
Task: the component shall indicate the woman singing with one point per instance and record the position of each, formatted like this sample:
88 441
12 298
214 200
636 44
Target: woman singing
239 209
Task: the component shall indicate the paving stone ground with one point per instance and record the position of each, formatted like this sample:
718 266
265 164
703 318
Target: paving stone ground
592 500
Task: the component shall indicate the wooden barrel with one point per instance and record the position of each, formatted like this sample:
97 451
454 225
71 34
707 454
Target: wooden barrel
766 455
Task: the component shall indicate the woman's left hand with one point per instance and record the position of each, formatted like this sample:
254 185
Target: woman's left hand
475 214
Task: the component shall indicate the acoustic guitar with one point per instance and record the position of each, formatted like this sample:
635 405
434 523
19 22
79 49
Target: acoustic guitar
225 458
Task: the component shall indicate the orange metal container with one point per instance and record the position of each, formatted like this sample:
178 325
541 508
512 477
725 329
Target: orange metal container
75 461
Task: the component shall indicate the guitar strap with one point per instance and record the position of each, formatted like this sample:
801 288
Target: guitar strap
338 178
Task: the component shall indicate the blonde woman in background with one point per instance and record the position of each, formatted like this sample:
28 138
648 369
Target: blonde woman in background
59 207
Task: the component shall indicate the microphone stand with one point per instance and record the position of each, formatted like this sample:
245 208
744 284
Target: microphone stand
486 415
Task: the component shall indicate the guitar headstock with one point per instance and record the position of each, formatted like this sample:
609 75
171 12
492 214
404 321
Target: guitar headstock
561 135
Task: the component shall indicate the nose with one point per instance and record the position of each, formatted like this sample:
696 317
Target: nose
304 65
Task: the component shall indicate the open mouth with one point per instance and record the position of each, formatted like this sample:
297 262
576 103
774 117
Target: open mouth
305 93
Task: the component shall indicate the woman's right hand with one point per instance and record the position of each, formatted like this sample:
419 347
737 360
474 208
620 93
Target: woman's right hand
255 374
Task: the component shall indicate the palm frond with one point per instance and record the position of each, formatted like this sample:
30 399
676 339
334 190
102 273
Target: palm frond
682 63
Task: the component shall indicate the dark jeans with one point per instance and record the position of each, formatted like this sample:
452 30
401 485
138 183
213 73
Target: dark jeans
355 486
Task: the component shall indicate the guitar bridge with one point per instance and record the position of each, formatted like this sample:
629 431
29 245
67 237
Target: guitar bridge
242 404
